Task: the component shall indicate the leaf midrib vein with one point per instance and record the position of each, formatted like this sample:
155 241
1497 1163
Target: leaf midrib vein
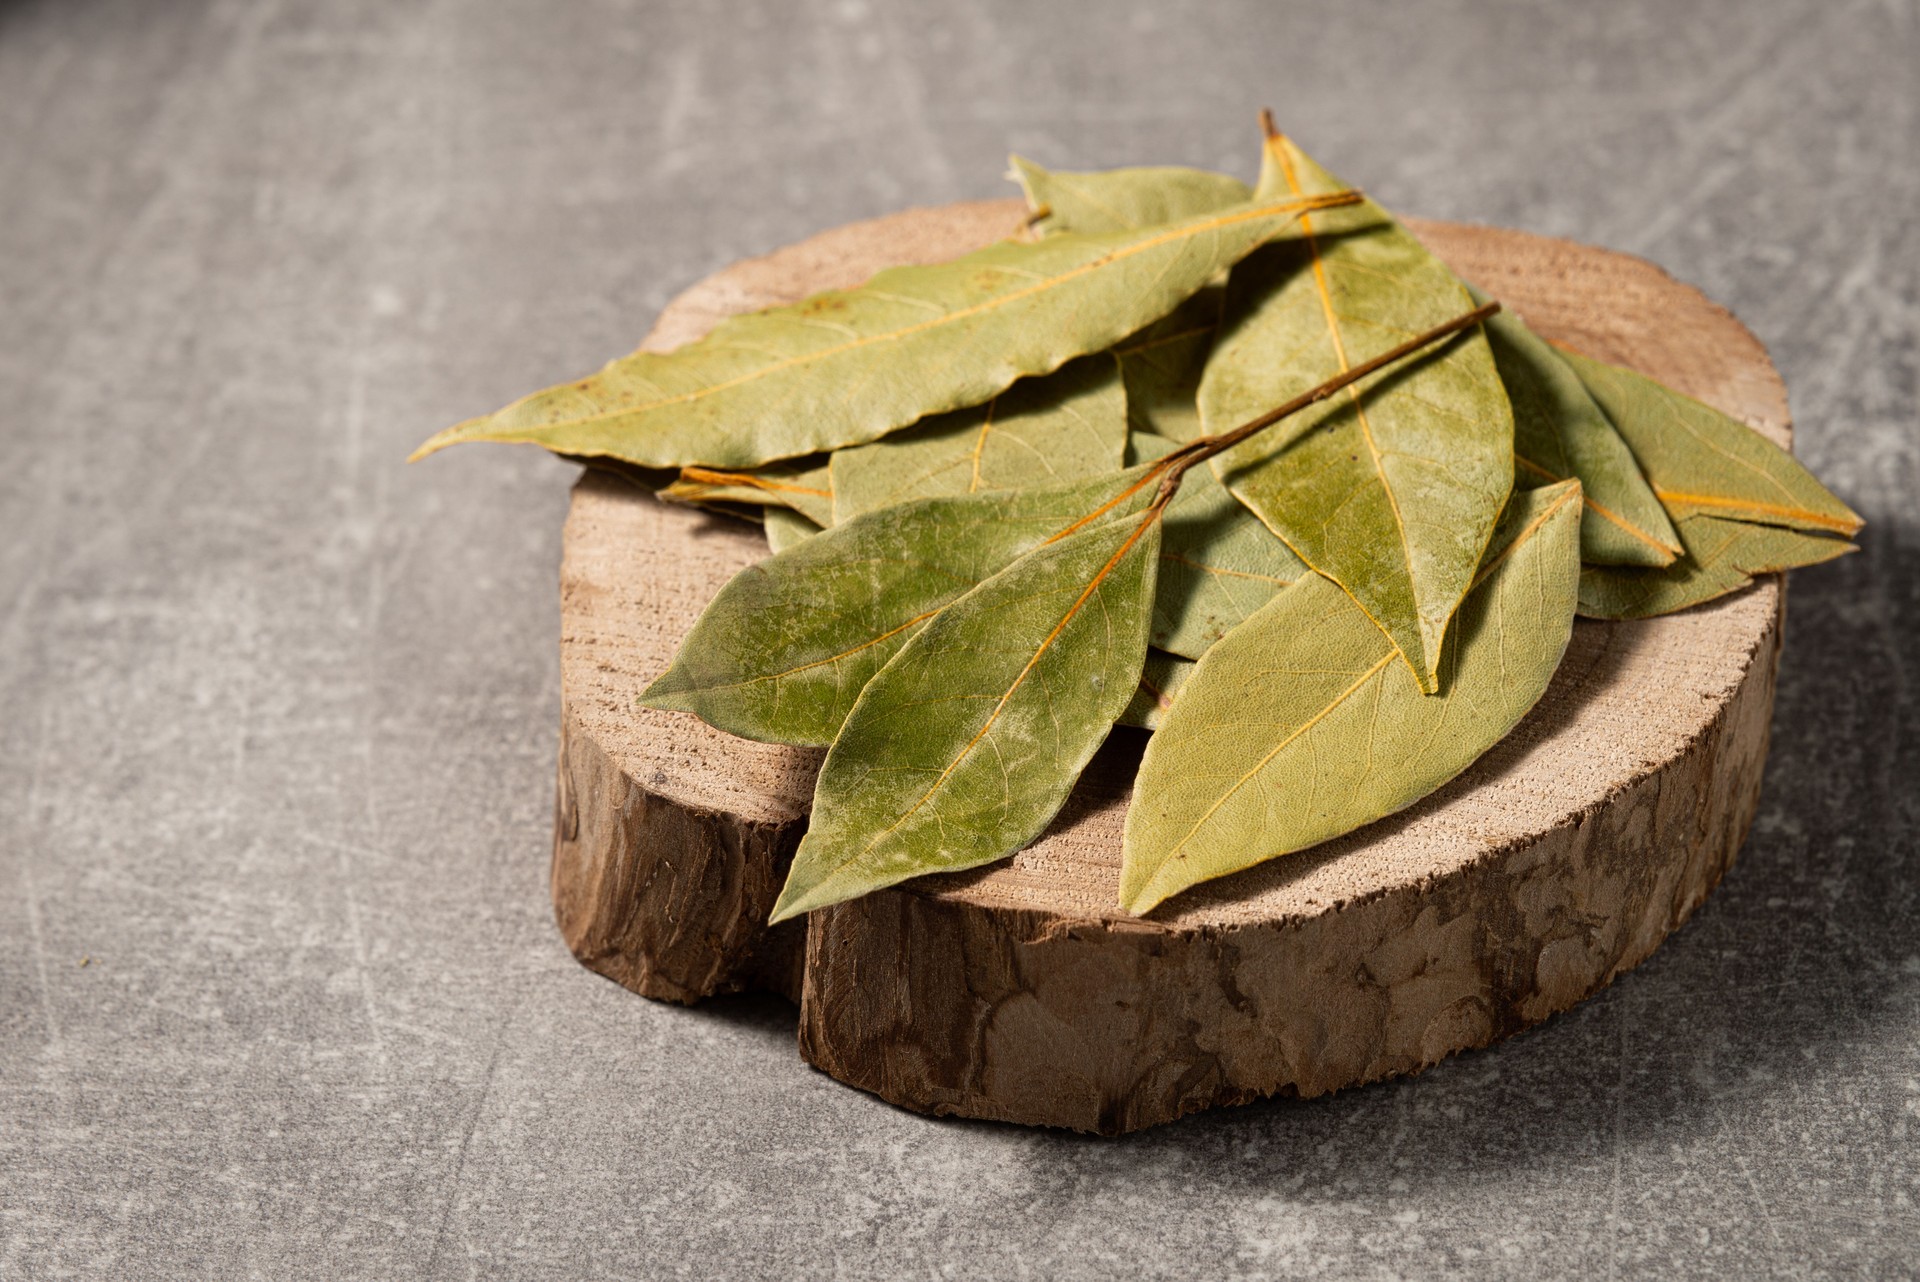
1093 585
1599 509
1188 234
1353 393
1833 523
1524 536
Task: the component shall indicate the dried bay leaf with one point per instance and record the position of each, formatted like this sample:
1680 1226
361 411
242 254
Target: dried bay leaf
1160 680
786 527
1392 488
804 486
1162 366
1122 199
963 747
1722 557
846 367
1561 433
1301 725
1162 363
1702 462
1069 424
1218 563
650 479
784 649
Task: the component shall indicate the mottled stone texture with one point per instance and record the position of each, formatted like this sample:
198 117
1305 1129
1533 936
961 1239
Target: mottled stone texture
277 749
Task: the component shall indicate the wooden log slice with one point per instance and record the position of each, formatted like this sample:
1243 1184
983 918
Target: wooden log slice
1020 991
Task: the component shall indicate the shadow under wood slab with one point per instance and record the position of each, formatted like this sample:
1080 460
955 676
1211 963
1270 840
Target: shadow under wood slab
1019 991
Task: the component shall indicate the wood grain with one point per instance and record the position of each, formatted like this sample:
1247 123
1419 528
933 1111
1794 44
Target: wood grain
1019 991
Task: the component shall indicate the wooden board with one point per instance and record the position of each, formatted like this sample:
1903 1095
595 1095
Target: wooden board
1019 991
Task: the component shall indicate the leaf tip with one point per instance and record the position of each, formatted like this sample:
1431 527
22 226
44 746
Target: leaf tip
1268 129
797 900
1426 671
674 691
659 696
432 445
1143 897
444 437
1141 888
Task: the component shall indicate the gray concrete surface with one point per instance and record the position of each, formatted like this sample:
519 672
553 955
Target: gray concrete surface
279 992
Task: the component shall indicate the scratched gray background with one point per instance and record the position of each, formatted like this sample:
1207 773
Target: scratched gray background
277 713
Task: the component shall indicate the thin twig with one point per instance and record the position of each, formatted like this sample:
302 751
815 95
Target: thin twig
1177 463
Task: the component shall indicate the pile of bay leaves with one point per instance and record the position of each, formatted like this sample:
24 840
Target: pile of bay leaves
1247 467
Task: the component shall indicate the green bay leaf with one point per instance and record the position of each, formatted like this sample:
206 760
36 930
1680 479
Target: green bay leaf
1391 488
846 367
1122 199
785 648
1301 725
1561 433
1069 424
1702 462
1722 556
963 747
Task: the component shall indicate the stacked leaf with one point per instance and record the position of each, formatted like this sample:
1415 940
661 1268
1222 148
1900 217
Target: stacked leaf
1302 724
1123 199
1071 423
1391 491
965 744
847 367
1559 433
788 645
1248 468
1741 505
803 487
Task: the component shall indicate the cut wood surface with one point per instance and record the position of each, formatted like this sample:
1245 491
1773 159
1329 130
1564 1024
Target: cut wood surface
1021 991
